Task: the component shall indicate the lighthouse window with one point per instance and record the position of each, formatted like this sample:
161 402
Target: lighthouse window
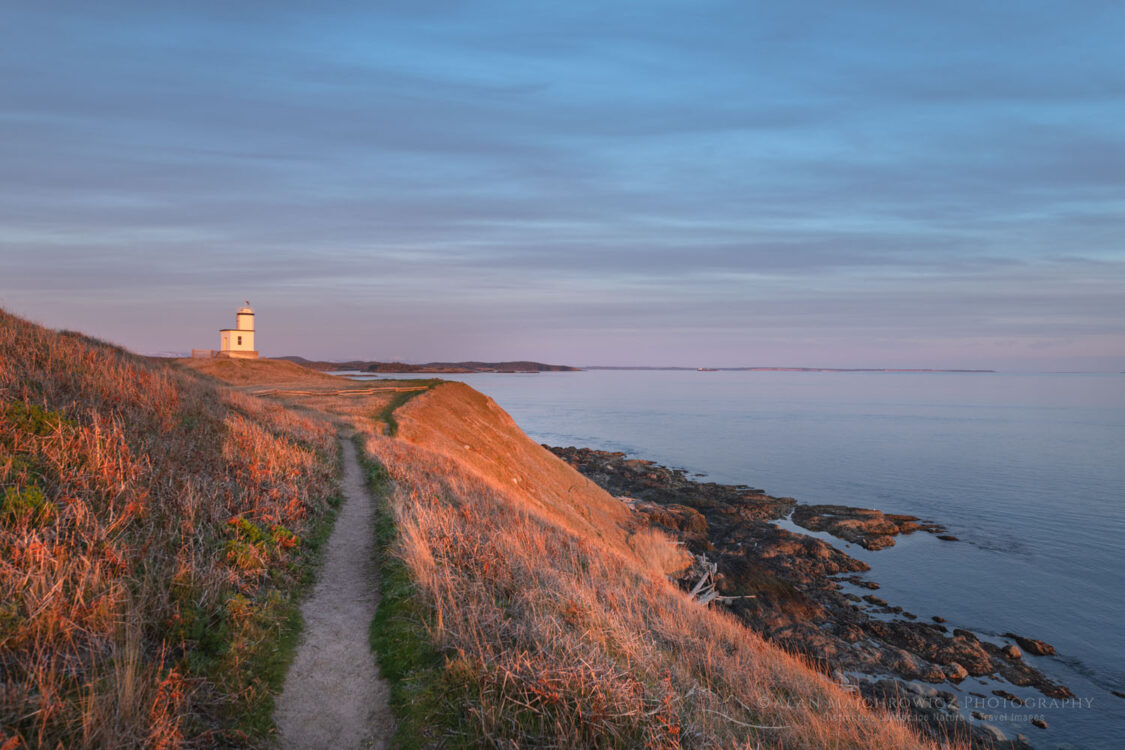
240 341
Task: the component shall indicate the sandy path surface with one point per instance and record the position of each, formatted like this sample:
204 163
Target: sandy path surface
333 696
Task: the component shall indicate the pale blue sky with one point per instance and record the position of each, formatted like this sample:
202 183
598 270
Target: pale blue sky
689 183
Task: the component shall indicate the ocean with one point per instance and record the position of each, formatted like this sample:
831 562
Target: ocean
1027 470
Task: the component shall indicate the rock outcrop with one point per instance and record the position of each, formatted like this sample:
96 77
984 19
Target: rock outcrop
867 527
789 586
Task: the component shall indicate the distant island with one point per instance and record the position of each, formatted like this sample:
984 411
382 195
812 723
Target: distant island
786 369
432 367
528 367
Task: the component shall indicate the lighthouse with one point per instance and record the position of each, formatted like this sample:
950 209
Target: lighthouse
238 342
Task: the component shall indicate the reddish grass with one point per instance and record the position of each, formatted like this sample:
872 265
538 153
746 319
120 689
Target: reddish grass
546 599
259 372
150 518
562 629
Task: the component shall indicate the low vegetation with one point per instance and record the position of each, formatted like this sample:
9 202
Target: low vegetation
522 608
154 530
422 698
154 527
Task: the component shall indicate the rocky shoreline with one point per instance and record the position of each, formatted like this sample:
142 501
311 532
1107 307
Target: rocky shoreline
789 587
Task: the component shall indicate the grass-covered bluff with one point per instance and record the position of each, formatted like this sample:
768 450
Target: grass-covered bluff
525 607
158 526
155 527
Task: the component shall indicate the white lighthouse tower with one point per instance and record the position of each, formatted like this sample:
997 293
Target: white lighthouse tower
238 342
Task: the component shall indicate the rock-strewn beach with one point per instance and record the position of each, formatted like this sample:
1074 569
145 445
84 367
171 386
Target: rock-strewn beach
790 587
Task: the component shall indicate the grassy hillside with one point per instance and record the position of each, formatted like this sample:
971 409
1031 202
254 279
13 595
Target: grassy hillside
256 371
524 606
153 529
147 545
462 424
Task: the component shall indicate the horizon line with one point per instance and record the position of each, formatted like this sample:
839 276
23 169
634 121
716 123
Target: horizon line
697 368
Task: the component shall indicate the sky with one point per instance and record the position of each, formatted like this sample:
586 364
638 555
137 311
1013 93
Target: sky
640 182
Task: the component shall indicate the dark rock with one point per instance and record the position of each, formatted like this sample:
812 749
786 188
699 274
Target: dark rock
1031 645
1011 651
935 618
934 712
1021 673
1010 697
850 633
649 481
954 672
1039 723
948 538
994 734
675 517
930 644
866 527
793 579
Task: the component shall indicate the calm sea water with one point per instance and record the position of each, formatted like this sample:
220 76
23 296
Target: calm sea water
1028 470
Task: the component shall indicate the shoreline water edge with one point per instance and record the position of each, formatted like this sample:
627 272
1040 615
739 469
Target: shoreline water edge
775 567
1016 466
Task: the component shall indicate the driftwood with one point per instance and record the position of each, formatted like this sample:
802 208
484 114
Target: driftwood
705 590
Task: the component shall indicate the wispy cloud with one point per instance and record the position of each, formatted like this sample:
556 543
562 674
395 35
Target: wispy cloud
578 182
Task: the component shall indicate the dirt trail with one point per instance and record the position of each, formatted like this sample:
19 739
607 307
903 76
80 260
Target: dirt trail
333 695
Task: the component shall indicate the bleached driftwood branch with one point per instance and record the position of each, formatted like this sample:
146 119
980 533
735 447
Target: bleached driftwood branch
704 590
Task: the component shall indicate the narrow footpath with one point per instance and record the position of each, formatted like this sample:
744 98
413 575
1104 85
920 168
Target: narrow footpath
333 695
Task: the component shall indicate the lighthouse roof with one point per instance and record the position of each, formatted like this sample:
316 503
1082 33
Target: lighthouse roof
246 309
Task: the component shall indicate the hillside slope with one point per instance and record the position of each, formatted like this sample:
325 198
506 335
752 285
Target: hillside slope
150 544
555 628
151 538
468 427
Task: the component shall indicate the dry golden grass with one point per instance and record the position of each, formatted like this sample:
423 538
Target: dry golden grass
470 428
347 404
545 600
557 618
258 372
550 605
149 521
